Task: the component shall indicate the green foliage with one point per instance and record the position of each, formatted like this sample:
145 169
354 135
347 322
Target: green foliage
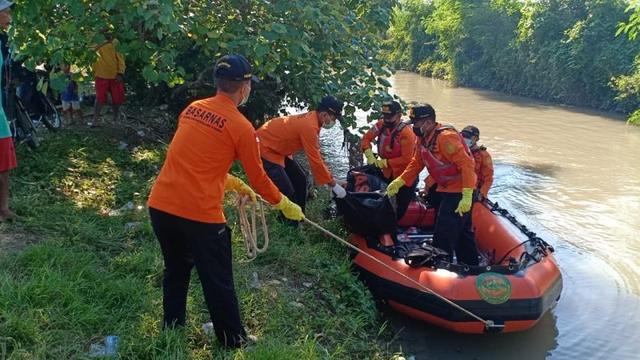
632 26
559 50
407 42
301 49
628 85
445 24
634 118
88 275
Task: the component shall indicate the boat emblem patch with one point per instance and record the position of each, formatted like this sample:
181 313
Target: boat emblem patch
493 288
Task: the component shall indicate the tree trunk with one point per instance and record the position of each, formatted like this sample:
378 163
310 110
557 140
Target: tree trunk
352 142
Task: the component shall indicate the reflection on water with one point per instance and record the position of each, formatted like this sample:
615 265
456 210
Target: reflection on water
543 169
572 176
429 342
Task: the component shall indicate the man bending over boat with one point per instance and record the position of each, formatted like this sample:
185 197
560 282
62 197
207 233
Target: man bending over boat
281 137
449 162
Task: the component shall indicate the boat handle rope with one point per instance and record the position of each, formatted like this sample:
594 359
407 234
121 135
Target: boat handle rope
535 239
489 324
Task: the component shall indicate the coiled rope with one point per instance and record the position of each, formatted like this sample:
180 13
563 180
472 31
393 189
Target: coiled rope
249 226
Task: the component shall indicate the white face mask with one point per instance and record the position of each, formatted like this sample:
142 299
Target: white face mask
329 125
469 142
245 99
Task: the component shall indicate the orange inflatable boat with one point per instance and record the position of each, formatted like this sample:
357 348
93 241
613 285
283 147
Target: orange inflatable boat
517 284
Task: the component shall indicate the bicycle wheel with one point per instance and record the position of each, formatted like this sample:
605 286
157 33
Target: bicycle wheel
50 116
27 129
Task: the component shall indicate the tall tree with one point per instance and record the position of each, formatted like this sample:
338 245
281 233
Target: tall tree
302 49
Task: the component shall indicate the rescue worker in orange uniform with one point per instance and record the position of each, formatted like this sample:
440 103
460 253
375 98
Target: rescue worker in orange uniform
484 164
281 137
395 141
442 150
185 204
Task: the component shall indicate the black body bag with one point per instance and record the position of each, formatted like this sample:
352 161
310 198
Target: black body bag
367 213
366 178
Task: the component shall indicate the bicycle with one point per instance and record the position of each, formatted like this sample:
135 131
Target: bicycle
27 105
34 94
22 127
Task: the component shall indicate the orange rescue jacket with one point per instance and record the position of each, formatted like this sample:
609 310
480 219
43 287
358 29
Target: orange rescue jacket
447 149
483 169
211 134
283 136
403 143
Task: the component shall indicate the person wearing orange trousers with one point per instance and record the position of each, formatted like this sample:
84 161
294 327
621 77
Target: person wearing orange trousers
185 204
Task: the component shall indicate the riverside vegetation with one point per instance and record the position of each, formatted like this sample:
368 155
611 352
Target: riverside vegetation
566 51
88 266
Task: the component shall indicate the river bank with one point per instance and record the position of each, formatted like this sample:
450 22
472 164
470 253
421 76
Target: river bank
82 263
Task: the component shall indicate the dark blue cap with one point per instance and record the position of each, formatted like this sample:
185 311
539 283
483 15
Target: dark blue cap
470 131
234 67
331 104
391 107
421 111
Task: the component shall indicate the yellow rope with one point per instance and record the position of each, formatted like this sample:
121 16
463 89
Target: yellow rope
249 227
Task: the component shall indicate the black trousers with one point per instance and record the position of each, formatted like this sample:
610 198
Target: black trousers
186 243
433 197
453 232
291 180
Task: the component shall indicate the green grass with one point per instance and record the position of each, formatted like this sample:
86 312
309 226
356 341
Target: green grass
88 276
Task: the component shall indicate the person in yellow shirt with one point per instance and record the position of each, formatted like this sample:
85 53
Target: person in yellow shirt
185 204
108 71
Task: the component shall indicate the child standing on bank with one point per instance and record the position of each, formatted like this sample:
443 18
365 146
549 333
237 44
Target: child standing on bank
69 96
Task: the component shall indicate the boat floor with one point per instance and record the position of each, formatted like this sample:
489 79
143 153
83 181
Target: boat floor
406 239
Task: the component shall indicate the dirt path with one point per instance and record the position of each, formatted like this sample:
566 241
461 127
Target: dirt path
14 240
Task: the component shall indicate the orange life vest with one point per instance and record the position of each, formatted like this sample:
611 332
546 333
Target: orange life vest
389 146
442 172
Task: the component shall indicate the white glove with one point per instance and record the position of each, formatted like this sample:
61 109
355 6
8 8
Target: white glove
339 191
